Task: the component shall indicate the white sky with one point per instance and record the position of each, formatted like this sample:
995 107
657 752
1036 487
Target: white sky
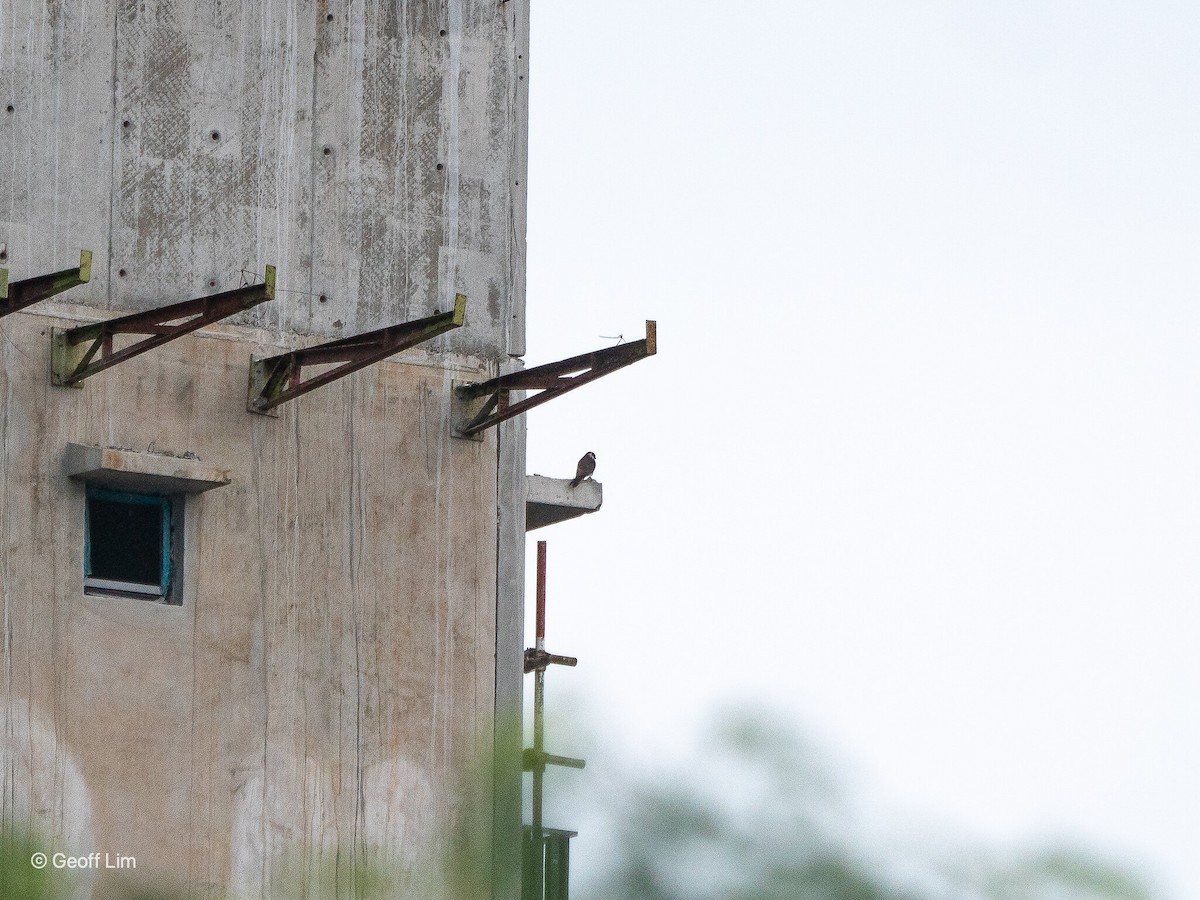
919 458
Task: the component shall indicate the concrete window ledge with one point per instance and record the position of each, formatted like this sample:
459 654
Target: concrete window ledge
153 473
549 501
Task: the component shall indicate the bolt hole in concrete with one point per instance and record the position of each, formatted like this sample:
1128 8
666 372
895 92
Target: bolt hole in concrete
125 124
212 284
329 17
322 299
8 108
439 167
326 151
442 32
216 135
120 273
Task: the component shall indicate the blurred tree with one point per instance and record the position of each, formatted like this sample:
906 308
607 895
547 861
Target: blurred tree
760 817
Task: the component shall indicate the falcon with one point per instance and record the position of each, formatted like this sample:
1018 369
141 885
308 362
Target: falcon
587 465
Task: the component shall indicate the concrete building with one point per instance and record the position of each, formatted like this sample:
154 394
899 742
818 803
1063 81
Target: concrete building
255 652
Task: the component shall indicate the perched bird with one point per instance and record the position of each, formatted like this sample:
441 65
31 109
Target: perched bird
587 465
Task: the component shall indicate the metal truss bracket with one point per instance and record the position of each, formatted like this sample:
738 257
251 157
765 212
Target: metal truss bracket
480 405
77 353
28 291
276 379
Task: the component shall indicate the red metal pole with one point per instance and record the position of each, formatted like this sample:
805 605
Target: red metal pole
539 729
540 631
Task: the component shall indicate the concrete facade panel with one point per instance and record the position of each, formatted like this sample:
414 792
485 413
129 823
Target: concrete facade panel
360 149
310 705
312 702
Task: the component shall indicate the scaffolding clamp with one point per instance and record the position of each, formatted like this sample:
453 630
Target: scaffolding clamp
536 761
15 295
78 353
536 660
477 406
276 379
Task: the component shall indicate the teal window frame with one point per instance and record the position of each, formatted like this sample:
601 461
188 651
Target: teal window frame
162 590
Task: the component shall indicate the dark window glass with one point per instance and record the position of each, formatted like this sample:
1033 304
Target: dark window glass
125 537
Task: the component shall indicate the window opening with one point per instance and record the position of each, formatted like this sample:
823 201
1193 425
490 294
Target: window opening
128 544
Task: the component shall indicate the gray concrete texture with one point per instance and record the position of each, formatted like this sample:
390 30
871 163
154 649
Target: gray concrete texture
310 705
372 151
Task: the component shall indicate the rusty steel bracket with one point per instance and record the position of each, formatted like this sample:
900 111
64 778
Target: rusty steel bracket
537 660
77 353
28 291
276 379
480 405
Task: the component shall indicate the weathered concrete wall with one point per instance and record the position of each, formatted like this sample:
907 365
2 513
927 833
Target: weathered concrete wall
373 151
305 709
334 657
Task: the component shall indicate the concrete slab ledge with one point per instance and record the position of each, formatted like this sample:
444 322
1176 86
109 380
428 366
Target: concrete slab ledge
152 473
549 501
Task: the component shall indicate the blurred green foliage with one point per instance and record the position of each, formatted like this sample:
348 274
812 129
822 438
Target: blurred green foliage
760 816
20 879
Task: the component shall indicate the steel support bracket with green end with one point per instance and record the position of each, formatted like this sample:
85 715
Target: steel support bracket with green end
77 353
276 379
28 291
477 406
